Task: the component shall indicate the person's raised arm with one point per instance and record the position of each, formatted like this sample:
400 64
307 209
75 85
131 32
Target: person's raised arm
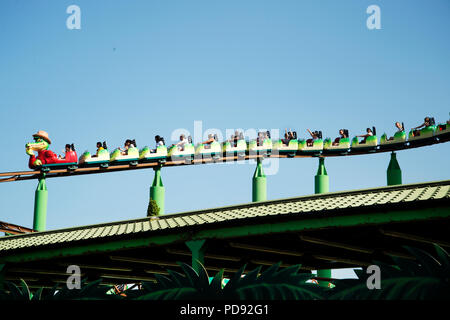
422 125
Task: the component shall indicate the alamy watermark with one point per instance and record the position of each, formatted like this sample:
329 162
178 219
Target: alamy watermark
74 20
374 20
200 134
74 280
374 280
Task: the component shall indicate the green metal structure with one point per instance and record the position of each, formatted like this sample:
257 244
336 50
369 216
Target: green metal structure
322 185
394 173
157 190
259 183
40 205
321 180
197 248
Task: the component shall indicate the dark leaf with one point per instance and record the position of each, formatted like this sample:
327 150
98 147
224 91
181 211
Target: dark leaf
164 282
179 279
428 262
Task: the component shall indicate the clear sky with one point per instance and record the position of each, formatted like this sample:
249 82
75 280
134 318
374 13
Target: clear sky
140 68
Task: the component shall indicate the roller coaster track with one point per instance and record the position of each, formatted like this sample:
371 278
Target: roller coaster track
28 175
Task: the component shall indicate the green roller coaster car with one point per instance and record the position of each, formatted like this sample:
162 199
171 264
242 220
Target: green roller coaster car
399 137
290 149
442 129
147 154
187 151
317 146
213 149
240 148
266 146
424 133
371 141
102 157
344 145
132 155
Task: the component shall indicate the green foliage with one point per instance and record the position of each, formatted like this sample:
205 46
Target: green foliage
88 291
427 277
272 284
13 292
152 209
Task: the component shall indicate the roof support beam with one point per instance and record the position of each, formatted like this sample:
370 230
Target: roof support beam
13 228
126 277
206 255
412 237
40 271
97 267
265 249
350 262
398 254
144 261
282 265
335 244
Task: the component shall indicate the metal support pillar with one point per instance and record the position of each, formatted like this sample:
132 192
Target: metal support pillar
197 248
40 205
322 185
394 173
321 180
157 191
259 189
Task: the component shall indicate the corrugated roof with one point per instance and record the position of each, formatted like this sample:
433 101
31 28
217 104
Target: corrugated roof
306 205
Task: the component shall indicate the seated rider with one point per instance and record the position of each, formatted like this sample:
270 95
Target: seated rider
365 136
100 147
426 123
68 149
314 135
235 138
208 142
399 127
182 142
260 139
159 142
288 136
342 135
126 147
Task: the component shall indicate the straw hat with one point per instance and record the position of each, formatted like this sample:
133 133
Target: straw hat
43 135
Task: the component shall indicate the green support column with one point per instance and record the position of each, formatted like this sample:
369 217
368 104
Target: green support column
394 173
259 189
157 191
321 180
40 205
197 248
322 185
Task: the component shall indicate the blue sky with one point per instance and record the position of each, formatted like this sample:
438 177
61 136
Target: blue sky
140 68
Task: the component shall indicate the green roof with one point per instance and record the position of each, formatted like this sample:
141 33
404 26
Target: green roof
325 231
333 204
